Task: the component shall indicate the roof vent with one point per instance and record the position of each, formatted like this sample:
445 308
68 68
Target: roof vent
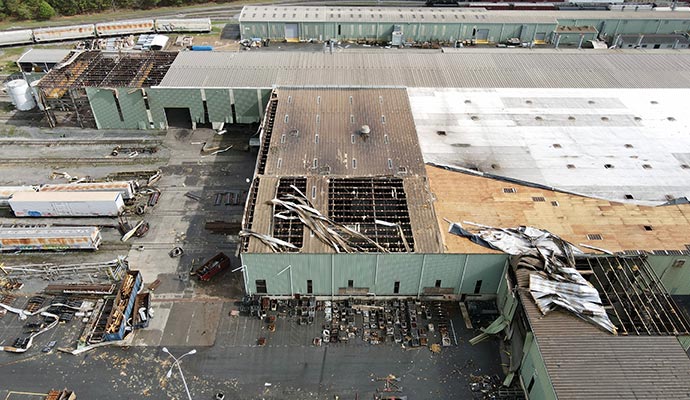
364 132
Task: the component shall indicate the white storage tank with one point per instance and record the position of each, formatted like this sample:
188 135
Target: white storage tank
20 94
64 32
66 204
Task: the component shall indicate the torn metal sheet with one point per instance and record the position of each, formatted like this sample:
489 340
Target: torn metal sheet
339 236
555 283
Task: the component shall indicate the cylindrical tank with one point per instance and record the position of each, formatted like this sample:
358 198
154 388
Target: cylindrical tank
20 94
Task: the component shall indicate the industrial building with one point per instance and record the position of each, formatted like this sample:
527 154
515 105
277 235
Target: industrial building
186 91
450 25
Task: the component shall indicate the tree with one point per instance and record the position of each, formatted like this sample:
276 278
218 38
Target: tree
45 11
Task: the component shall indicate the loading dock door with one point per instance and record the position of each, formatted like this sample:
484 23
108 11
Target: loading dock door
178 118
482 36
292 32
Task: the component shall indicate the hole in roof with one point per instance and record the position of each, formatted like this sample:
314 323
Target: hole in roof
629 146
557 146
538 118
468 101
495 166
474 118
654 102
441 133
528 101
685 166
591 102
629 196
638 118
604 118
670 118
646 166
648 228
608 166
571 118
571 166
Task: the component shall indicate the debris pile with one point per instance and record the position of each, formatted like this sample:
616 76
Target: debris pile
556 282
338 236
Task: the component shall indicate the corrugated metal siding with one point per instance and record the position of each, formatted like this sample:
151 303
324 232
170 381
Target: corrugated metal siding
246 105
376 272
219 105
489 268
585 362
160 98
675 279
463 68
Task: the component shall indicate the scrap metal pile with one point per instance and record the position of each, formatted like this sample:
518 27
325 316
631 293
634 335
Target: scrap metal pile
298 207
556 283
410 322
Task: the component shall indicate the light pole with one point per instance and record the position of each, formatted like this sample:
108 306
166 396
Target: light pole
179 368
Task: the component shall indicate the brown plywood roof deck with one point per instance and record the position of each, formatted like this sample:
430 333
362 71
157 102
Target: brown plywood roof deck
465 197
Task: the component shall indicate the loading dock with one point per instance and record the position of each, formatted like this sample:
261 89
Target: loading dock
178 117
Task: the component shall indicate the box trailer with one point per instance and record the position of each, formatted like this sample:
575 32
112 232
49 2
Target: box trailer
124 27
125 187
50 238
66 204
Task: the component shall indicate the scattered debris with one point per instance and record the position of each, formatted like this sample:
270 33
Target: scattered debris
176 252
193 196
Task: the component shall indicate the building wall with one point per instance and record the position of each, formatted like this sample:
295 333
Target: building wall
497 32
533 367
249 105
372 273
675 279
130 115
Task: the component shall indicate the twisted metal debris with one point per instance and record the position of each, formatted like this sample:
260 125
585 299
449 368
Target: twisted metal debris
556 282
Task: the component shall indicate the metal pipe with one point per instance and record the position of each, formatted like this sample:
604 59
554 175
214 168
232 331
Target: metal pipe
421 275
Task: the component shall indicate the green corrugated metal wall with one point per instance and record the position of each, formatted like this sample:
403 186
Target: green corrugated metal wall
675 279
161 98
382 31
458 31
249 106
376 273
104 107
219 105
533 367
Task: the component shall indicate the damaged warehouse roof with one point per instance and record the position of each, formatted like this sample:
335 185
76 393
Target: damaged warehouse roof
618 144
613 226
646 361
101 69
346 163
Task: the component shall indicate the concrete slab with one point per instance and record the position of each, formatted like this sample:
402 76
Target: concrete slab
194 324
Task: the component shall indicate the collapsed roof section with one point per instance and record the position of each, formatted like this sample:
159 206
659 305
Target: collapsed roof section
62 92
99 69
339 170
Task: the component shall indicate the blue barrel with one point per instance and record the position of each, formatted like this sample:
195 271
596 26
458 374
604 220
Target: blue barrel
202 48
